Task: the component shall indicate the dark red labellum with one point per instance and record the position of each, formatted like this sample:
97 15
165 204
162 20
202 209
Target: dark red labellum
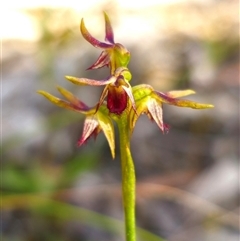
117 100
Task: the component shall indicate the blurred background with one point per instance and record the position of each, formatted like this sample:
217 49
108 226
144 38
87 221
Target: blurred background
187 180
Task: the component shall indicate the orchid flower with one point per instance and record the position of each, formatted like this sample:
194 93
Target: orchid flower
96 120
123 104
114 55
149 102
117 89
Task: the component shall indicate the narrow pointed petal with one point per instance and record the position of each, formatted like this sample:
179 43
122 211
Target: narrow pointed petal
166 128
108 130
142 94
91 39
141 108
108 29
192 104
85 81
155 110
59 102
181 103
102 61
102 97
90 125
130 95
180 93
73 99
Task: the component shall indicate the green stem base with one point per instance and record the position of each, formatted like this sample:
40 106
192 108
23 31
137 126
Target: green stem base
128 181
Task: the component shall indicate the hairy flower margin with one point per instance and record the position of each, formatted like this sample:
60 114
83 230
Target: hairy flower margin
118 99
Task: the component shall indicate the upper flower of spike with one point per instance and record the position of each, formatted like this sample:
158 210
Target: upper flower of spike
114 55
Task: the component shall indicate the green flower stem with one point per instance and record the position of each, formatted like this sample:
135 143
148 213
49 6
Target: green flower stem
128 179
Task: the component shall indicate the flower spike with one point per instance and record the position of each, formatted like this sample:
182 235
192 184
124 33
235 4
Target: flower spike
121 103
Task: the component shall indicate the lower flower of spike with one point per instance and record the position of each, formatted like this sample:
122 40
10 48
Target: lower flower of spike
97 118
149 101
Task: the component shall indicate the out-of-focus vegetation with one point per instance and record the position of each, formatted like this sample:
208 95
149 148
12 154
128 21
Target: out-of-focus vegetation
187 179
